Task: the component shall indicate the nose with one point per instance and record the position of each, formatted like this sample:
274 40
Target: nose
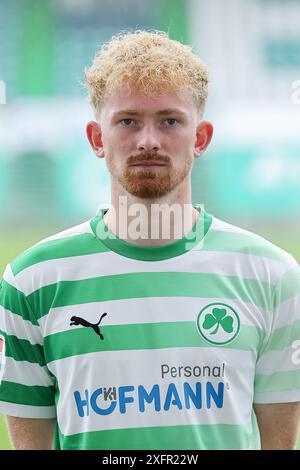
148 139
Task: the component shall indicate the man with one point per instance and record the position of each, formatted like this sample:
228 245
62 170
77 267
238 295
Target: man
154 325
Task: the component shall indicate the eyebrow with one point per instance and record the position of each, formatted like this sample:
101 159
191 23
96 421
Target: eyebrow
163 112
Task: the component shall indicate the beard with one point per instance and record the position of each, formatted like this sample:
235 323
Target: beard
150 183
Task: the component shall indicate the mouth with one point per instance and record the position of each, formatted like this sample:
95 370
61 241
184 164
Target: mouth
148 164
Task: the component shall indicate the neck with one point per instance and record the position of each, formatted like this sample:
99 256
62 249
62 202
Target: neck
152 222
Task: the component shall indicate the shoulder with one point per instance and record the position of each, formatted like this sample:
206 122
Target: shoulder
234 238
68 242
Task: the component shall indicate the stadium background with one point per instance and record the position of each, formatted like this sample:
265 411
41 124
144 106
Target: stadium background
49 179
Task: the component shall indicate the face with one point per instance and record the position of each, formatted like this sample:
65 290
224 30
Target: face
149 143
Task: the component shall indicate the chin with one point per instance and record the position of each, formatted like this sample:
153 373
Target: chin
147 188
148 194
147 191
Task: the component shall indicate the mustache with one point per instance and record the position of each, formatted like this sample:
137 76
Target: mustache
145 157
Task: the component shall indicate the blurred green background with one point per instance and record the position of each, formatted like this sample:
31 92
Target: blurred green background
49 179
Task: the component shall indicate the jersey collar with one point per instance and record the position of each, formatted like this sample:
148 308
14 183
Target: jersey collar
152 253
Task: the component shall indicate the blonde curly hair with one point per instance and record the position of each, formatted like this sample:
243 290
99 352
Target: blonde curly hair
149 60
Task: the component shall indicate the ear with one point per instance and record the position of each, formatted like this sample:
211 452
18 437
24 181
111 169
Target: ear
204 135
94 135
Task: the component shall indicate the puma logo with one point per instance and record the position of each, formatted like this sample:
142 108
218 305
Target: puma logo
83 322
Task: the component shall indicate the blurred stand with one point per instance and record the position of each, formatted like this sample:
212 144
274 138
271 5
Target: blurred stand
49 177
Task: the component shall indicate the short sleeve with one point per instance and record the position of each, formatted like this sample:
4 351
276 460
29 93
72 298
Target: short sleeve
27 388
277 378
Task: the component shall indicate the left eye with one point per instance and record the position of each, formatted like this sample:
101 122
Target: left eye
171 121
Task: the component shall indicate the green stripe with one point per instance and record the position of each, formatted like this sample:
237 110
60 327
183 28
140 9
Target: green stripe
14 300
26 395
218 436
140 337
23 350
248 244
277 382
77 245
150 284
283 337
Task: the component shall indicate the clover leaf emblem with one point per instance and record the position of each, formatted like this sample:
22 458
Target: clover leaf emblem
218 317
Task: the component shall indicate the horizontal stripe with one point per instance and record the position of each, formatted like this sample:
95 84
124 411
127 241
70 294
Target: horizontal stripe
253 240
135 337
83 244
26 373
288 286
277 361
27 411
286 396
84 227
203 437
243 242
150 310
14 300
24 395
9 277
90 372
23 350
287 312
279 381
14 325
284 337
106 264
137 285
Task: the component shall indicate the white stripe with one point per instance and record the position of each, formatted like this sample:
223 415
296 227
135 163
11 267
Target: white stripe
222 226
287 396
277 361
287 312
73 268
148 310
85 227
14 325
255 240
2 356
9 277
131 368
26 373
27 411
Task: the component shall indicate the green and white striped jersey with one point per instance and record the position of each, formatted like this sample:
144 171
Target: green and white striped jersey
163 347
